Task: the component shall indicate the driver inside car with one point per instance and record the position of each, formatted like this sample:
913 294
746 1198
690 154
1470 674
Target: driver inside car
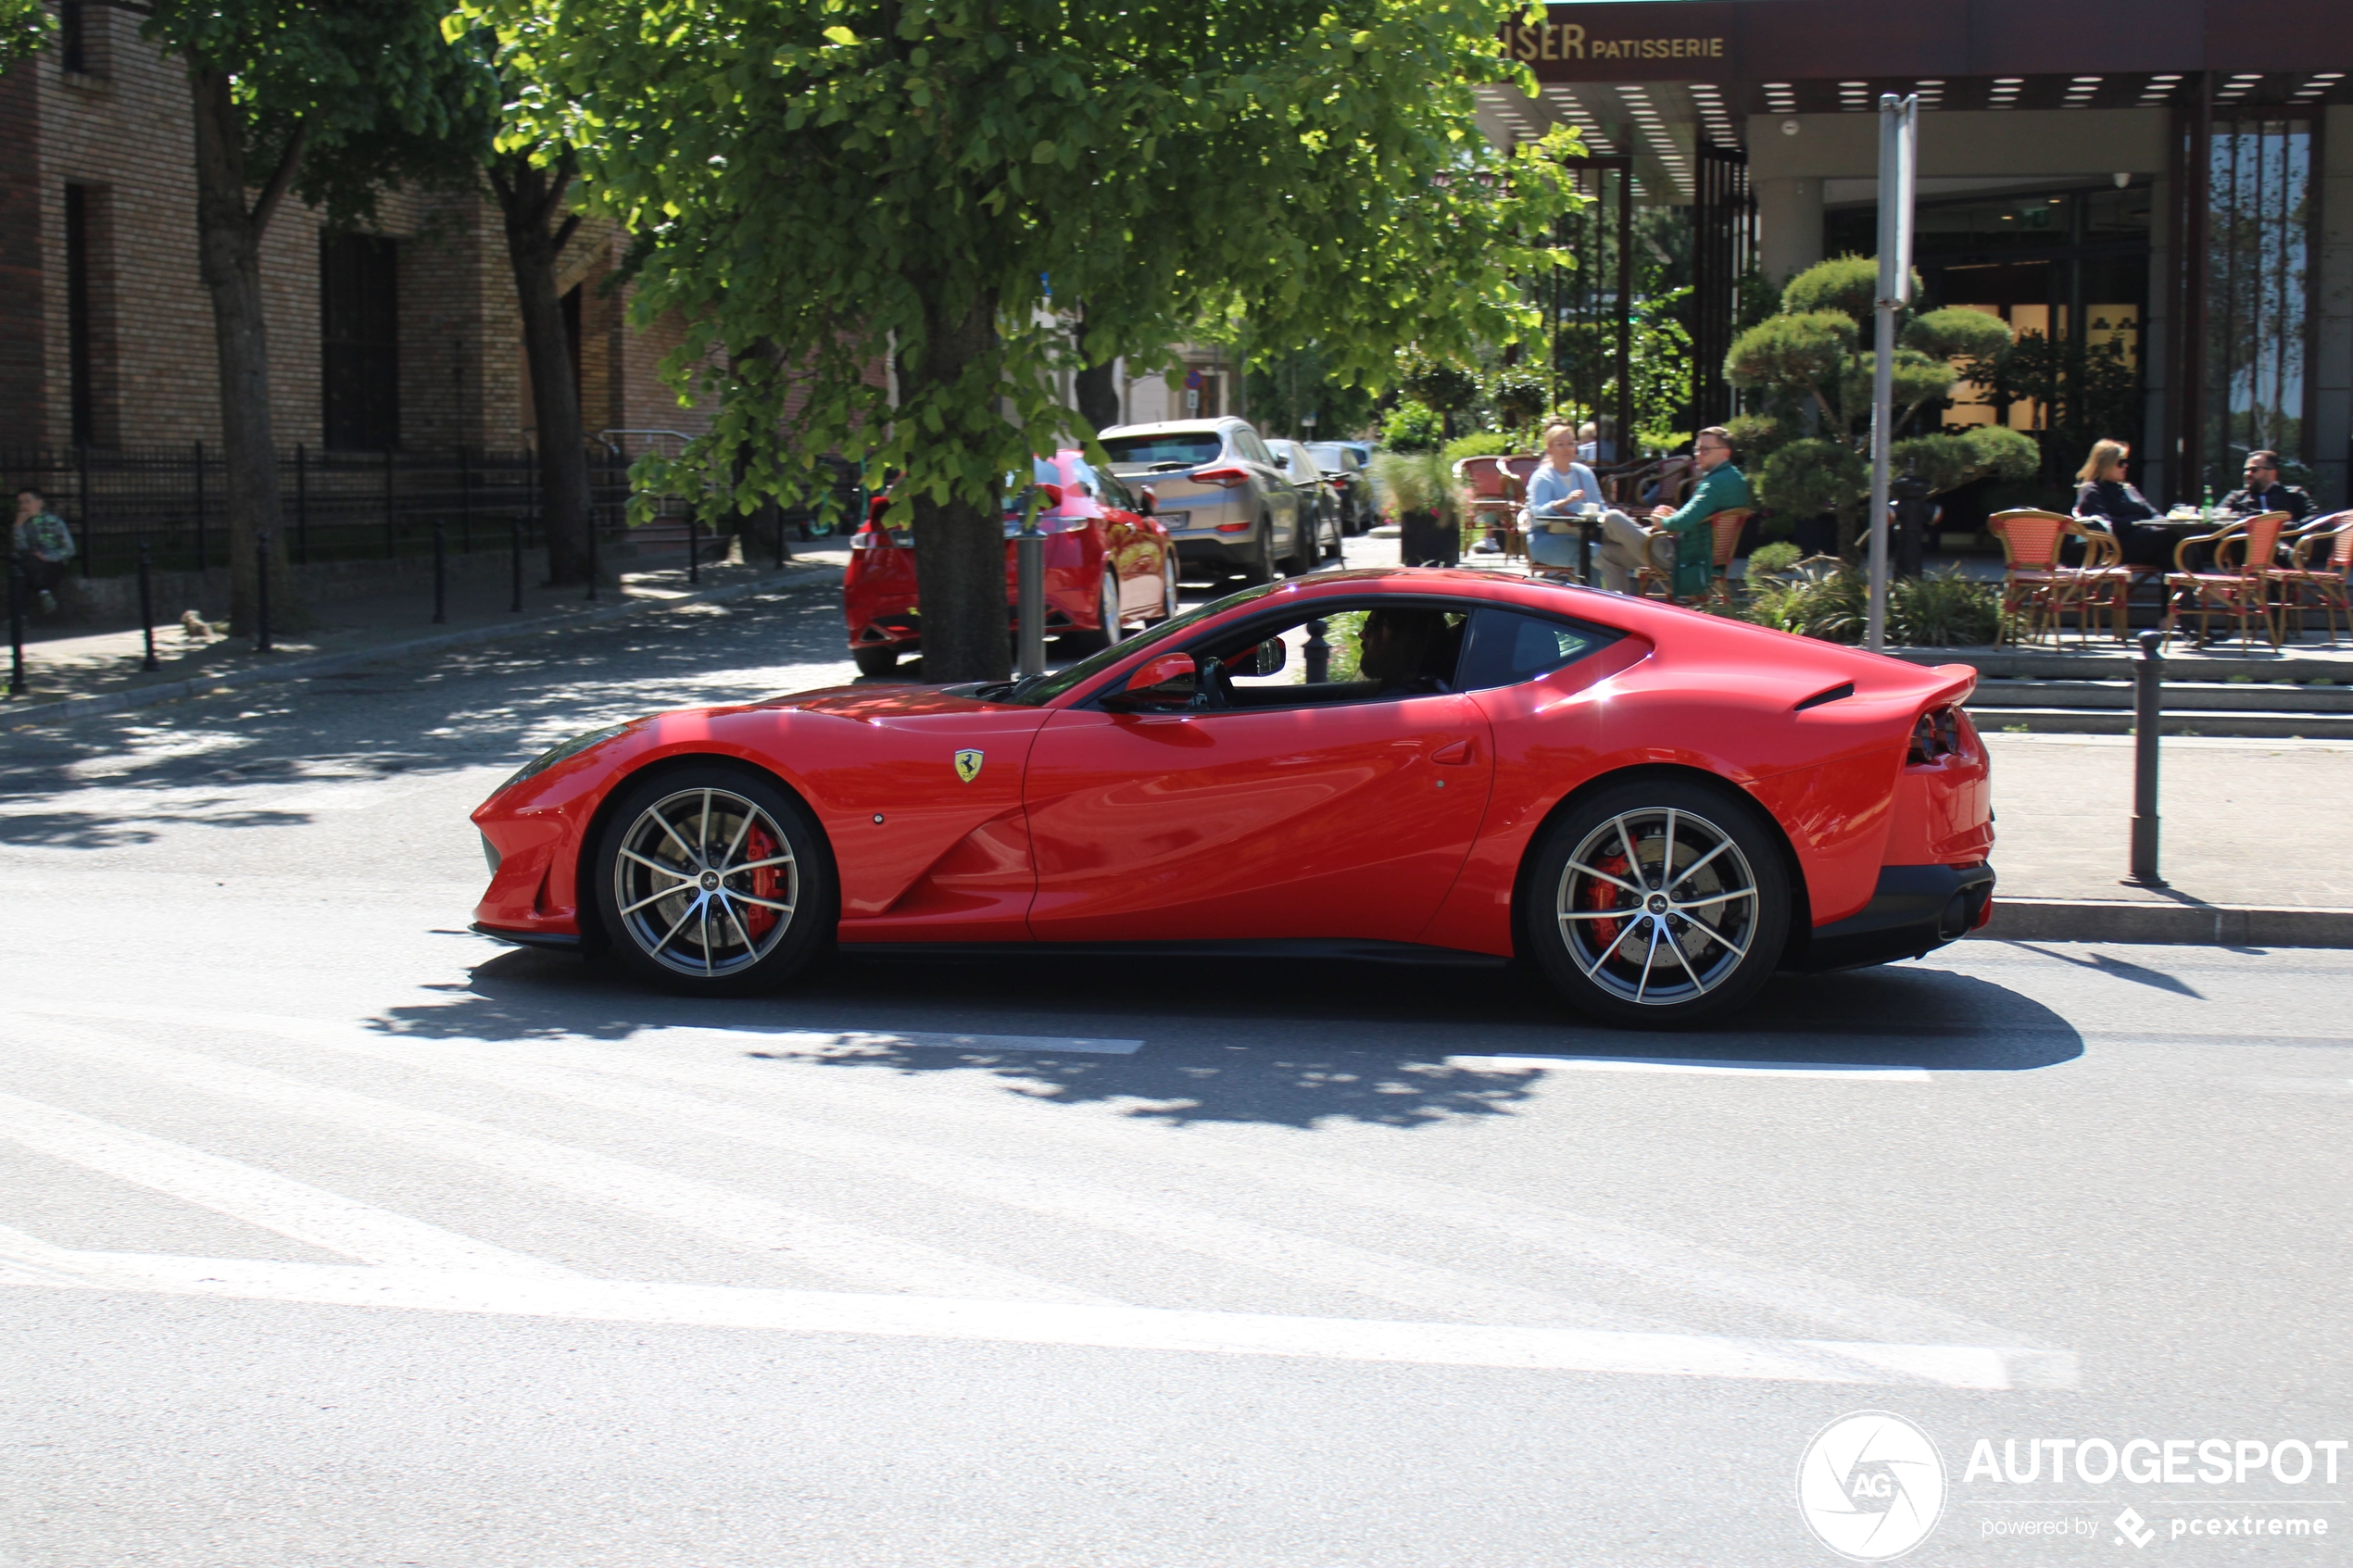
1408 652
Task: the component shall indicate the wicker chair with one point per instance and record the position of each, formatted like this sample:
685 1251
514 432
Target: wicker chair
2240 592
1724 538
2317 571
1496 495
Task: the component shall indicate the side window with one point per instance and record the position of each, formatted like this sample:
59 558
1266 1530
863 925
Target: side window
1112 491
1507 647
1254 450
1085 478
1374 654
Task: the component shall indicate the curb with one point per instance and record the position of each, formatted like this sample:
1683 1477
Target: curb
328 664
2188 925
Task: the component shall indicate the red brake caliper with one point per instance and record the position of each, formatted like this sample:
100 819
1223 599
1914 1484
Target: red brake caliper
767 883
1599 895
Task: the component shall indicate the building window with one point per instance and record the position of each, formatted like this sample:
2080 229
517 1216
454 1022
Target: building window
80 390
2258 314
359 341
73 38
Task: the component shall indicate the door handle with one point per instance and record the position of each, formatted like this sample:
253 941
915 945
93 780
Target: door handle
1456 755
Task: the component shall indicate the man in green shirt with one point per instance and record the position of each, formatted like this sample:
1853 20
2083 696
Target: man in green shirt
1626 546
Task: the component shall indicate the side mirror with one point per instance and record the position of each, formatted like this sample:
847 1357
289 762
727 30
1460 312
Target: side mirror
1164 680
1147 503
1268 658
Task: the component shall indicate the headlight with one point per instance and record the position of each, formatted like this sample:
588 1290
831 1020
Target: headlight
557 753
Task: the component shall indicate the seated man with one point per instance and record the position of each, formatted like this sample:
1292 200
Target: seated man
1626 546
2264 493
1405 652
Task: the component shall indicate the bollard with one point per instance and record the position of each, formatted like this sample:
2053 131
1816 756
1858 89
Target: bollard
262 593
2149 676
1318 654
146 611
440 573
515 556
592 557
694 550
15 627
1029 556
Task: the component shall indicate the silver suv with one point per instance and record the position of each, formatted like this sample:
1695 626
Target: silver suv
1222 496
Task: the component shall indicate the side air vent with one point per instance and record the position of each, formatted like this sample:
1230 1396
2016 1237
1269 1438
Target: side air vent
1844 688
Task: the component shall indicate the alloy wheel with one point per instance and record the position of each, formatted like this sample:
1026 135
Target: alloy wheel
1657 906
705 882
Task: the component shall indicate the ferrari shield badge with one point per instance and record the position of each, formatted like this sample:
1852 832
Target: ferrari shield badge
968 765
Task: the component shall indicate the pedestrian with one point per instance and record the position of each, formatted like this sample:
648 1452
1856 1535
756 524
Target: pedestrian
1626 546
42 546
1591 448
2264 493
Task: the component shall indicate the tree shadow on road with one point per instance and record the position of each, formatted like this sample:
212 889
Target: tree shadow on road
1288 1041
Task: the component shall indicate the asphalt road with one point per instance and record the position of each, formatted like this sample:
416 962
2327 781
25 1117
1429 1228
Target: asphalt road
335 1236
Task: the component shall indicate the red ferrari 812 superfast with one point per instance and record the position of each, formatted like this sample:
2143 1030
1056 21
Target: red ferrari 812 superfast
1656 807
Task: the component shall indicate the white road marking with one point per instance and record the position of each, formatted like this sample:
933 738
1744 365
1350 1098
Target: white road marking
1287 1254
867 1042
323 1219
732 1219
1714 1274
26 1261
1732 1069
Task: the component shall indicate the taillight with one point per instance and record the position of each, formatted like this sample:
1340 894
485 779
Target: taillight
1936 735
1228 476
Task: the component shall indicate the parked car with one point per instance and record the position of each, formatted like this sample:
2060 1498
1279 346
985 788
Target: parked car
1225 499
1657 809
1109 565
1316 491
1345 463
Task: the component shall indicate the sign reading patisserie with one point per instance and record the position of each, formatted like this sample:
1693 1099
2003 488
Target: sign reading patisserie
1569 41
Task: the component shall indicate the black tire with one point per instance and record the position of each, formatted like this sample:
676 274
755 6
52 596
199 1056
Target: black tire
1719 934
1107 616
644 881
1306 543
1168 603
1260 565
876 658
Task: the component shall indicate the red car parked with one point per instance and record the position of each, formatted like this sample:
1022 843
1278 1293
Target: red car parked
1109 565
1656 806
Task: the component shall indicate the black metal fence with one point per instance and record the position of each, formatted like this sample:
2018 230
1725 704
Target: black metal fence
335 506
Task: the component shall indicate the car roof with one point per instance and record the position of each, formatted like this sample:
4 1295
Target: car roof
1179 427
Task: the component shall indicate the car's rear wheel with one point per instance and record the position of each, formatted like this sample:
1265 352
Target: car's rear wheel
711 879
1658 902
1259 566
876 658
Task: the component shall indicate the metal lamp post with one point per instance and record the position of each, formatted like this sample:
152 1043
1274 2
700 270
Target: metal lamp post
1898 158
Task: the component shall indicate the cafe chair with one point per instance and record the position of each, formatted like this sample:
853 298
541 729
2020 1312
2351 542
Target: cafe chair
1686 583
2239 586
2032 577
2101 585
2315 577
1495 497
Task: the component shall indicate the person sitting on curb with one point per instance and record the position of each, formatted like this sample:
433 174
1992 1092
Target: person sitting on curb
1626 546
42 546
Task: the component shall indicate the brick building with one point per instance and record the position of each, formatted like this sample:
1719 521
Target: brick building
404 339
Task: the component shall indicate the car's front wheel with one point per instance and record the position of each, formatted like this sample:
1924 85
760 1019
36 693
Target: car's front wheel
1106 627
1260 565
876 658
1658 902
713 880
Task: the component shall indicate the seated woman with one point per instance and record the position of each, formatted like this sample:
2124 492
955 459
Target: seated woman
1559 488
2103 495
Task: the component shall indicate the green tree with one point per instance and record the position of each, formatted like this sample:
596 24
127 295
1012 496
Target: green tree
943 181
1811 364
334 104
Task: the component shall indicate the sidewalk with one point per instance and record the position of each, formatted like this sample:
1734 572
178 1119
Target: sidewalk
71 671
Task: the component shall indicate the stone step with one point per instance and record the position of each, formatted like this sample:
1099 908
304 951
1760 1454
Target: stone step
2179 697
2111 662
2118 721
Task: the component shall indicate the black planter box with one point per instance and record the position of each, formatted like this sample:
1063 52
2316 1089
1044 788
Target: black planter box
1426 539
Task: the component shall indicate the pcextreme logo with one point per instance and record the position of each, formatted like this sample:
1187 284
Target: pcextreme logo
1871 1486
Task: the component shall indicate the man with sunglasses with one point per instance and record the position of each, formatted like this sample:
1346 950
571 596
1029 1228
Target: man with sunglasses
2264 493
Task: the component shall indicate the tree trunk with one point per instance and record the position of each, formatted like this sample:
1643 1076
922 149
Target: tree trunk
229 253
960 547
1097 387
529 198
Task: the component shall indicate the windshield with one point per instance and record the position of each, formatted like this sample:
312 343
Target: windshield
1038 690
1186 447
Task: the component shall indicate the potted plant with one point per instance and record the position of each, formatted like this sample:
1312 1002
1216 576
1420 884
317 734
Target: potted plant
1419 488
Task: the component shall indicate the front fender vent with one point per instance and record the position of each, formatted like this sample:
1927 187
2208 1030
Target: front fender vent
1843 689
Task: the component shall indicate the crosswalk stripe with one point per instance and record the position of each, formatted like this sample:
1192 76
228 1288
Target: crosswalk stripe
323 1219
737 1220
1284 1253
25 1262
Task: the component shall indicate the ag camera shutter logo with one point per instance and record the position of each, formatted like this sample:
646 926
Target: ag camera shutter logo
1871 1486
